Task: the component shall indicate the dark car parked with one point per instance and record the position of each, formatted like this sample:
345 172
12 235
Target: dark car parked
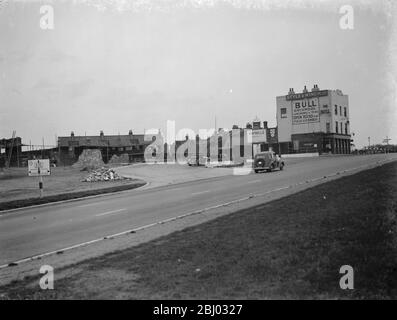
267 161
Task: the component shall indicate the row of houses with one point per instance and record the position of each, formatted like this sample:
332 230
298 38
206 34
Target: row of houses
70 147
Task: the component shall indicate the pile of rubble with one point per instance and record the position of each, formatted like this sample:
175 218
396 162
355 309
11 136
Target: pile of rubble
122 159
89 159
103 174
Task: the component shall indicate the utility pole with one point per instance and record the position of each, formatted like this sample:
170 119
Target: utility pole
18 155
387 142
107 152
12 147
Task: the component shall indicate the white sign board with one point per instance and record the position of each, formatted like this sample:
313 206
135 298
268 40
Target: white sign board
258 135
39 167
305 111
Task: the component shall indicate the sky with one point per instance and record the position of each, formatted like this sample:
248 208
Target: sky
117 65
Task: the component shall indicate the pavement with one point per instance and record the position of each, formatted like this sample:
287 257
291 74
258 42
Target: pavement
56 229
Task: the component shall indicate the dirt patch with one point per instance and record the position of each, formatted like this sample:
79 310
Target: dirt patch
19 190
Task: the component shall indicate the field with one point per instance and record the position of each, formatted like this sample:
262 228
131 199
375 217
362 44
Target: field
290 248
18 189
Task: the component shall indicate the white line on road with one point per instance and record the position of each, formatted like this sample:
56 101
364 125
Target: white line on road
109 212
174 189
253 181
90 204
201 192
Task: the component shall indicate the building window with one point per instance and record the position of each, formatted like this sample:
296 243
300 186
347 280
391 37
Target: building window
340 110
341 127
328 127
336 126
345 113
283 112
336 110
346 128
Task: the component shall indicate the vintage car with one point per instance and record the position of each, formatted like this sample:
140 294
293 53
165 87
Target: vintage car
267 161
197 161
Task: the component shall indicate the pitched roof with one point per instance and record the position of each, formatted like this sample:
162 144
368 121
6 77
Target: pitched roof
103 141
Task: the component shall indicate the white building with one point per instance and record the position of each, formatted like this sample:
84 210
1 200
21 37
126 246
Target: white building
313 121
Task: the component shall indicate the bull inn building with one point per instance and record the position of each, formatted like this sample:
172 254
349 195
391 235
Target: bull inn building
313 121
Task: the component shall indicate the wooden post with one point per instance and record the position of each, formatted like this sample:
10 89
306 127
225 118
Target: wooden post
41 185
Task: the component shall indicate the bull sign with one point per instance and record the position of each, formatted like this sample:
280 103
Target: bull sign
39 167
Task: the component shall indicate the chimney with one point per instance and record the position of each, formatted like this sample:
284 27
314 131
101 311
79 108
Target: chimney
101 134
315 88
72 134
265 124
130 133
291 91
305 90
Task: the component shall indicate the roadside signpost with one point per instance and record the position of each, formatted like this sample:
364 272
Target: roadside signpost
387 143
39 168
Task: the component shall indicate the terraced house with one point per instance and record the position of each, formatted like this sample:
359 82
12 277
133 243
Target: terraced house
69 148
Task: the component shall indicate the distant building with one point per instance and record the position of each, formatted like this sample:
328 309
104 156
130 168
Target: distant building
258 135
132 144
314 121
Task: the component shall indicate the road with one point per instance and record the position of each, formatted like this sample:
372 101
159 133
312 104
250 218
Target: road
31 231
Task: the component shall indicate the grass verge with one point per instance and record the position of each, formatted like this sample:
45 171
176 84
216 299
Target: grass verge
67 196
289 248
18 190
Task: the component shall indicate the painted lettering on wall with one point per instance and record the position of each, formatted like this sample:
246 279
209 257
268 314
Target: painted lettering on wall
305 111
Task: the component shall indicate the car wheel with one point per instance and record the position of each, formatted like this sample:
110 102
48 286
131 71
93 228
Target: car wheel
256 171
281 166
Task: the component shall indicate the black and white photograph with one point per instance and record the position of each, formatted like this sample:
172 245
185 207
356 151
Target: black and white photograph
199 154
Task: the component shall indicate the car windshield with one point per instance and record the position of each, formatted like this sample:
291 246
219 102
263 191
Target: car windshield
263 155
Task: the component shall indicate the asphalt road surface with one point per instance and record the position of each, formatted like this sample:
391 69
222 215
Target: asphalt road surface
31 231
